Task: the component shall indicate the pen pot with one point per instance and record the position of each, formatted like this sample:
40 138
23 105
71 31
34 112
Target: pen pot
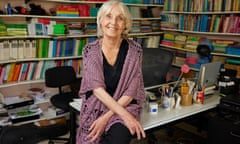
186 99
166 102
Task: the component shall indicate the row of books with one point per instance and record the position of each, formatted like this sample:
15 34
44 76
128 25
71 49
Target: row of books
80 10
189 42
199 23
50 48
145 26
148 41
17 49
13 29
202 23
160 2
3 29
169 21
68 10
35 70
41 48
42 26
202 5
59 48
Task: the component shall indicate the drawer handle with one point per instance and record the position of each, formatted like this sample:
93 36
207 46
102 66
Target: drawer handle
234 134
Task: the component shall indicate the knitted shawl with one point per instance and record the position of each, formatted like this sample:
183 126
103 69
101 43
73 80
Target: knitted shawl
130 84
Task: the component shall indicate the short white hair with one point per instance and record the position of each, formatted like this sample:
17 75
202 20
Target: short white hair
106 7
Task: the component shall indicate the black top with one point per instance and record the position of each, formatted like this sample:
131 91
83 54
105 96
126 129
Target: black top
112 73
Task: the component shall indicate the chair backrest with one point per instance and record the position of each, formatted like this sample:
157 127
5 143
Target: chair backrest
59 76
155 66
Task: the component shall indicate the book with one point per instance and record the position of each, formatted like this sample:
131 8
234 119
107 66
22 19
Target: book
76 45
24 114
2 74
39 29
17 101
25 71
11 72
34 48
46 65
27 49
58 48
38 70
5 77
31 70
14 49
6 50
50 48
22 72
17 69
2 57
44 48
21 46
40 47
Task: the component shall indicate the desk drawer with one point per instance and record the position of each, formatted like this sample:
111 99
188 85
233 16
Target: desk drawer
222 131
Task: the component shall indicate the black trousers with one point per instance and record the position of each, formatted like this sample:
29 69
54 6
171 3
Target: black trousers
117 134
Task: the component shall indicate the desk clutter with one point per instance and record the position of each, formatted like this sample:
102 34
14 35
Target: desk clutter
20 108
172 96
23 120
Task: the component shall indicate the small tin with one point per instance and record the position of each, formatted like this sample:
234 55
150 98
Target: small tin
200 97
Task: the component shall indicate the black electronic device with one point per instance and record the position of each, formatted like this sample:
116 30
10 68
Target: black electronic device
230 104
228 82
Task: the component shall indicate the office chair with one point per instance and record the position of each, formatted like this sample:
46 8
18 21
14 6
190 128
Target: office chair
58 77
155 66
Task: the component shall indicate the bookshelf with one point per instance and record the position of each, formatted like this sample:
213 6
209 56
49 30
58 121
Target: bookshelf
48 37
30 41
216 21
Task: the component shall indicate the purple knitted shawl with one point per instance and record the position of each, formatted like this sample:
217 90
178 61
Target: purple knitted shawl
130 84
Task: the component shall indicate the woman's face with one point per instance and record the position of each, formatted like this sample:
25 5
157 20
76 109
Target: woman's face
113 23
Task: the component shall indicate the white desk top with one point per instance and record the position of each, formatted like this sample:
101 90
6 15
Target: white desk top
163 116
166 116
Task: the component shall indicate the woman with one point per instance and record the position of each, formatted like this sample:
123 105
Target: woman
112 85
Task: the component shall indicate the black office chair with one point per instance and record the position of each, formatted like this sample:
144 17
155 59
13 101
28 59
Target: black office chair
58 77
155 66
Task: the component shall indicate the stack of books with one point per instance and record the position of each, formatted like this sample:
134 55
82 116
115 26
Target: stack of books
192 43
3 29
136 26
180 41
146 26
21 108
168 39
91 28
156 26
169 21
67 10
221 45
76 28
16 29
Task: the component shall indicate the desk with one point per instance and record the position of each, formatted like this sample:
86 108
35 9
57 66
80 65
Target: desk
150 121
